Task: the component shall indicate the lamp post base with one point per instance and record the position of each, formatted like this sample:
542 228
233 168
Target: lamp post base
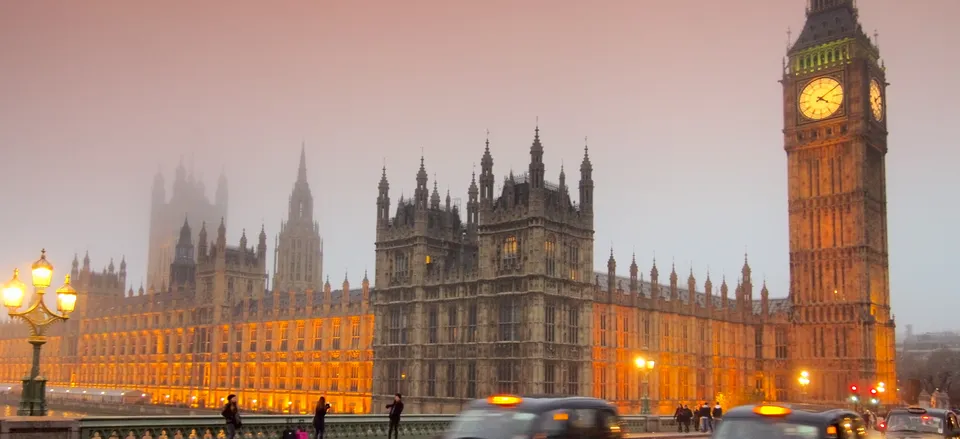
33 401
645 407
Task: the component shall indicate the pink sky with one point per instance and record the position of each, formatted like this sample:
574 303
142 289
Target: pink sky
679 99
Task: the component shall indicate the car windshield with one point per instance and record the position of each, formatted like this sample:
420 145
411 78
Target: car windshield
764 429
491 424
919 423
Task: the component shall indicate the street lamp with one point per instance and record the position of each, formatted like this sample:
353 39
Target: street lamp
33 398
804 381
645 366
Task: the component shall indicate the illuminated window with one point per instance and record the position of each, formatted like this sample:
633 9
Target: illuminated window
355 334
573 261
354 377
301 335
428 260
335 342
284 335
511 250
252 338
334 377
318 335
225 340
315 377
550 250
268 338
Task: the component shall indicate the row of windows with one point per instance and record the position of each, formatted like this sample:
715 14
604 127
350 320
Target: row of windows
199 340
334 377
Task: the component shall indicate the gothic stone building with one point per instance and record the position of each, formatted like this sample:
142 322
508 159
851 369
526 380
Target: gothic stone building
188 199
216 330
509 300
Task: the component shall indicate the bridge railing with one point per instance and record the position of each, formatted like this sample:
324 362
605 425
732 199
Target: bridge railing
272 426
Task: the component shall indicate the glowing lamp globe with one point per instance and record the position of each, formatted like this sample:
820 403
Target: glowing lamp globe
66 297
42 271
13 292
640 362
651 364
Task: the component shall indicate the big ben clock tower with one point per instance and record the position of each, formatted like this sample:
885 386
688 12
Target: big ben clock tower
835 136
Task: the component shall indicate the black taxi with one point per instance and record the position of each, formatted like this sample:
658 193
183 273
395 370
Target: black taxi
510 416
919 422
790 421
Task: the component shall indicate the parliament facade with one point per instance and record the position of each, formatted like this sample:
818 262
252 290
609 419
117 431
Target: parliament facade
504 297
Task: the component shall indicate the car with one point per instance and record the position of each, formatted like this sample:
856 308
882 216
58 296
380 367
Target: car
510 416
793 421
917 422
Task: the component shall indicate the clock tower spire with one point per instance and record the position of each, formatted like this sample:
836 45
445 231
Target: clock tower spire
835 137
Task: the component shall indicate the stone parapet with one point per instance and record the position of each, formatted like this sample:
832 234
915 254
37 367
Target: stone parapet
262 427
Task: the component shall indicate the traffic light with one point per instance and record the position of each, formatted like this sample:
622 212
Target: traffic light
853 388
854 393
873 392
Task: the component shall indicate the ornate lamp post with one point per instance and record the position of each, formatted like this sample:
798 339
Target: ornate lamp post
804 381
645 366
33 398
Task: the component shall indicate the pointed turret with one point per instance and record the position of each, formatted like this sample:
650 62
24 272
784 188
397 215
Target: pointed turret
421 193
75 267
691 289
473 204
724 296
486 175
221 236
383 200
537 168
435 196
634 271
202 242
243 239
184 250
301 199
708 291
448 201
586 182
611 273
674 290
262 245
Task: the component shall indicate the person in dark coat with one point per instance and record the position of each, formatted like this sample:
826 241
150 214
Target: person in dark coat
678 418
231 413
396 408
319 416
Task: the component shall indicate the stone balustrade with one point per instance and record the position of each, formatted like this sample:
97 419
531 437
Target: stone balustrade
272 426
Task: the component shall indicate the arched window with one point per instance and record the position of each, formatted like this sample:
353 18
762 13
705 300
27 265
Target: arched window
511 250
550 249
573 261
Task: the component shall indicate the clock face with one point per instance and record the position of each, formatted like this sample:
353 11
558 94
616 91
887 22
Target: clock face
876 100
821 98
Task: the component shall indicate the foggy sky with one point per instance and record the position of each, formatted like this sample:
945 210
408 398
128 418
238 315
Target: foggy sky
679 101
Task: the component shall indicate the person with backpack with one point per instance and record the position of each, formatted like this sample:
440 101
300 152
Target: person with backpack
231 413
319 416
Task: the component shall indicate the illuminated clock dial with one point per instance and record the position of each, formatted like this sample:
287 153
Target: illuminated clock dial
876 100
821 98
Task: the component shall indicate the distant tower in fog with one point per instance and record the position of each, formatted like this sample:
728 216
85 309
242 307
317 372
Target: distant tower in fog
298 258
188 201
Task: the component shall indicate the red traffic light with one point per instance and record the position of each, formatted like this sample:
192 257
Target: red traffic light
873 391
853 388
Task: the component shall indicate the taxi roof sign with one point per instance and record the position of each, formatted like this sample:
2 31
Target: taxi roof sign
771 410
504 400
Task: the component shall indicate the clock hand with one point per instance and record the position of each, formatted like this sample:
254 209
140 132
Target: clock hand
828 91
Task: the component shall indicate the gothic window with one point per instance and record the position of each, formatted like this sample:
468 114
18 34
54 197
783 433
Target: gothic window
451 380
508 376
301 335
401 265
685 337
573 261
268 338
225 340
355 334
238 339
318 335
282 376
235 377
451 324
395 328
781 344
600 381
315 377
298 377
266 380
335 341
393 377
284 335
354 377
550 378
511 251
603 329
758 342
432 379
251 376
433 320
550 250
334 377
472 323
471 379
573 325
509 322
550 323
780 382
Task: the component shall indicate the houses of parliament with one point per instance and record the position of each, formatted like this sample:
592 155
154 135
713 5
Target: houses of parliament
508 299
